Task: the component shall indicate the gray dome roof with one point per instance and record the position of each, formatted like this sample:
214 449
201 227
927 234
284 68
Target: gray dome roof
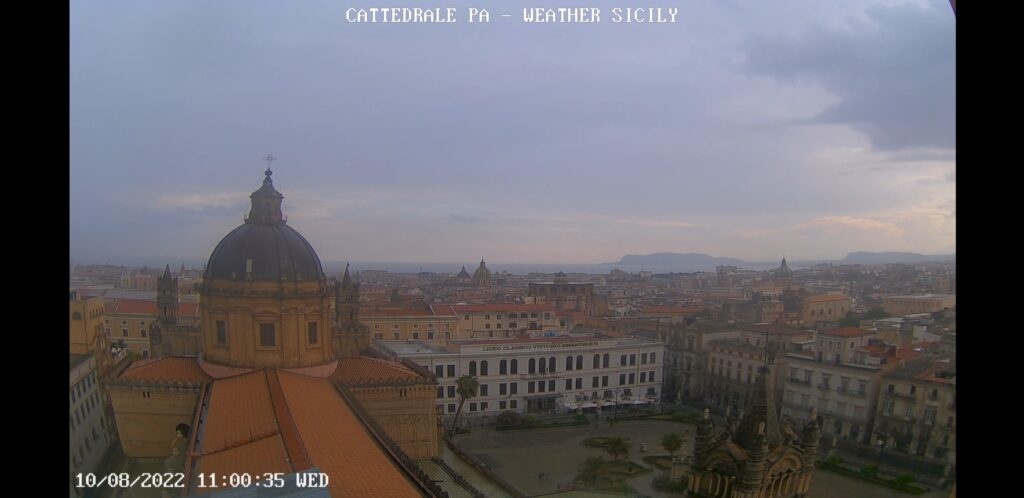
264 247
277 252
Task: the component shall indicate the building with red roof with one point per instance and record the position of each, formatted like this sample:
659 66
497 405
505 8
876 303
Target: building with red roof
277 381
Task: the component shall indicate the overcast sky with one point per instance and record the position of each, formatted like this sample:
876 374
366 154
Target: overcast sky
748 129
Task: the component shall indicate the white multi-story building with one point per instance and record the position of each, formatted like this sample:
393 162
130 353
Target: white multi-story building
89 434
541 374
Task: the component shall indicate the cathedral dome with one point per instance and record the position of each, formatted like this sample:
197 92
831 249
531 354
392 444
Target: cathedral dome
482 275
264 247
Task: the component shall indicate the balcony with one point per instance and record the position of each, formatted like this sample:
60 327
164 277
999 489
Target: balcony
835 414
791 380
536 375
947 427
848 392
901 395
824 387
933 396
902 418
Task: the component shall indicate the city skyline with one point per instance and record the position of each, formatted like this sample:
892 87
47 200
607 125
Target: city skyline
743 131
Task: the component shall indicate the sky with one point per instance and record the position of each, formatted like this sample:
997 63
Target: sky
747 129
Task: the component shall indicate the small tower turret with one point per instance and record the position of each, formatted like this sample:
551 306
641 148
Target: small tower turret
809 440
702 441
167 297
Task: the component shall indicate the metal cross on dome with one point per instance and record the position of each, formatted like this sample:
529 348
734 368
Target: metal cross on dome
269 159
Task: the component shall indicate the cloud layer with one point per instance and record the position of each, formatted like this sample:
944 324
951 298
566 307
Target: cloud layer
747 129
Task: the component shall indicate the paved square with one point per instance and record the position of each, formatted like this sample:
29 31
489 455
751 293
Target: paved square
519 456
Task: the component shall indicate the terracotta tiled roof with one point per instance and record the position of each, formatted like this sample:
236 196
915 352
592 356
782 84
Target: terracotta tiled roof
322 371
175 368
826 298
220 371
263 455
134 307
907 353
356 370
846 332
396 313
188 309
934 368
144 307
240 412
477 308
443 309
338 442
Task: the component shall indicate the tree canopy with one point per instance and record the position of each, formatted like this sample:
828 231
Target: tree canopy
672 442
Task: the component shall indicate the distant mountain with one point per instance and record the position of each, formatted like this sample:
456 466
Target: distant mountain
679 262
674 258
875 258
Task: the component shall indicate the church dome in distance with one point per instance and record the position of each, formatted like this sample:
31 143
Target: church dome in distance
264 247
783 270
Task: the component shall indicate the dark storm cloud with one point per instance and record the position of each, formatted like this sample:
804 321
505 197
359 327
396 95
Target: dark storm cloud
895 73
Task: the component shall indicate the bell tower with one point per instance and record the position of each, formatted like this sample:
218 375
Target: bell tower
349 337
167 297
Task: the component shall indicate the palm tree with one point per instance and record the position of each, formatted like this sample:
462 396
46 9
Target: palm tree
672 442
467 387
617 447
592 466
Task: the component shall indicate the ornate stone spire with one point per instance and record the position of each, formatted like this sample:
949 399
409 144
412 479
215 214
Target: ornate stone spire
732 418
809 440
753 468
705 436
266 203
346 279
760 409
